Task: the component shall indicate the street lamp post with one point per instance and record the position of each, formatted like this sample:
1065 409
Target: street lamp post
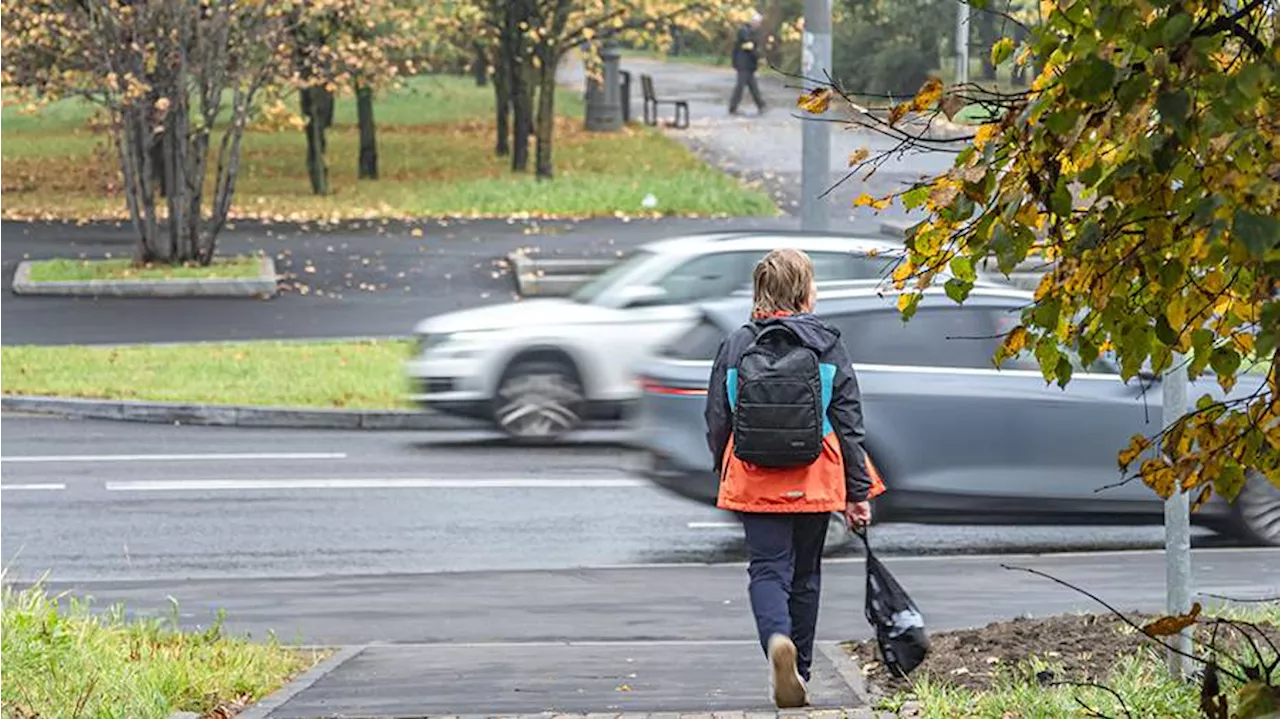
815 169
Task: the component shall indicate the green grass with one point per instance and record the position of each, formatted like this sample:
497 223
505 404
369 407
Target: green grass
436 158
364 374
1141 679
62 661
240 267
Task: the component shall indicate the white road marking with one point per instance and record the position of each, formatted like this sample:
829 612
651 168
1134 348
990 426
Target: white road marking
713 525
175 457
51 487
207 485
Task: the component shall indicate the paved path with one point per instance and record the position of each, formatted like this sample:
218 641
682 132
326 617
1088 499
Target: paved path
768 148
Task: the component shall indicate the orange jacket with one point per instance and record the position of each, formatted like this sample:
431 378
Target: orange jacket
842 472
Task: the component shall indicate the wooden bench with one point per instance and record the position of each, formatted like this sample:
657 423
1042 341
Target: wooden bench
651 104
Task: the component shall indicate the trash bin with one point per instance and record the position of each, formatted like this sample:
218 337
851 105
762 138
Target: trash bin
604 99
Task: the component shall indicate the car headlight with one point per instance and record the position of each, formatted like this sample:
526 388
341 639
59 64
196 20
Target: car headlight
458 343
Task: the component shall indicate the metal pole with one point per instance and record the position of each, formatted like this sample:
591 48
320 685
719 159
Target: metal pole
962 42
1177 523
815 170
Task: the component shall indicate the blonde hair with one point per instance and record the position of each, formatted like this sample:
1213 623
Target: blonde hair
782 282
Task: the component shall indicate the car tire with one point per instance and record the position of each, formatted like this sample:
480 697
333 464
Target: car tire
1256 511
538 400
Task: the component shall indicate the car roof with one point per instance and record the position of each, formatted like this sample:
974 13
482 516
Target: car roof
872 295
709 242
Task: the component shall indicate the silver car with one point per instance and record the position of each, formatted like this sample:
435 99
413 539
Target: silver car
956 440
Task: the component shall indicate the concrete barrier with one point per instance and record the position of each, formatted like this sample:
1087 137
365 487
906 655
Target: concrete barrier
554 277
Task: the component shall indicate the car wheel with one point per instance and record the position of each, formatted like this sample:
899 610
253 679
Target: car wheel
1257 511
538 400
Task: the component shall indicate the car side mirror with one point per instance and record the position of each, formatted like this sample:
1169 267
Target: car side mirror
642 295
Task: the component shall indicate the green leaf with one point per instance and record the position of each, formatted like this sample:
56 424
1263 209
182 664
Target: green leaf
1133 89
1229 481
1090 79
1061 201
1174 108
1092 175
957 290
915 197
1002 50
1259 233
1047 354
1047 313
1224 361
1176 30
1062 122
1164 332
1063 371
962 268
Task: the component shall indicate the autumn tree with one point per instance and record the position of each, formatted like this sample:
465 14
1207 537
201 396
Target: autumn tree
528 39
1142 168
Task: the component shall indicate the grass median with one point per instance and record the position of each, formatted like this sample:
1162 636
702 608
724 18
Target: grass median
332 375
63 270
60 660
436 158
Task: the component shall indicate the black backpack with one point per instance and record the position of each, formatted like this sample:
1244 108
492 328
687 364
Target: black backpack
777 421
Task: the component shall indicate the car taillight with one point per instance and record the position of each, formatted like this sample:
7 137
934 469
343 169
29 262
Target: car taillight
654 387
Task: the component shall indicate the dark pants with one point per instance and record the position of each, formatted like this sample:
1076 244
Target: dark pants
747 80
785 563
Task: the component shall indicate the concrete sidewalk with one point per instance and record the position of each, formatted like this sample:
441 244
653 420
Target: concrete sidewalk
590 679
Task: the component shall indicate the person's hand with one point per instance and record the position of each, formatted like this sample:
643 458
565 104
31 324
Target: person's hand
857 515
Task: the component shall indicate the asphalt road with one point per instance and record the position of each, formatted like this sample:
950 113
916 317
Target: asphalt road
104 500
359 279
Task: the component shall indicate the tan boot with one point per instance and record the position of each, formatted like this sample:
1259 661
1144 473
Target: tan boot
789 691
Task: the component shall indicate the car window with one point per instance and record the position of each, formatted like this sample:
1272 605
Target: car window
835 266
935 337
701 342
589 292
704 277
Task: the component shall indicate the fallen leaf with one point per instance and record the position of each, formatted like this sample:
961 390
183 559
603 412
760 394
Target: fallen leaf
929 94
1170 625
417 232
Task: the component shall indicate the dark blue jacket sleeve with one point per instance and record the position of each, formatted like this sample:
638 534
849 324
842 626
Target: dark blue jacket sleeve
717 413
846 418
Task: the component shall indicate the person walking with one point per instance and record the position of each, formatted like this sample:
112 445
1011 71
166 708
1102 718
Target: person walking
746 59
784 423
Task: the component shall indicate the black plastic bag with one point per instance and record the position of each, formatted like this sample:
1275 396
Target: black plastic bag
898 623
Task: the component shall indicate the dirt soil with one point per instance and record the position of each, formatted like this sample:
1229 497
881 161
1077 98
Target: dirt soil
1080 647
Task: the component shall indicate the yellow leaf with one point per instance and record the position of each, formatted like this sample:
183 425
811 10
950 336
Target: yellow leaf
1243 343
1046 284
1170 625
903 270
416 232
984 135
1176 312
929 94
1137 445
897 112
815 101
1014 342
904 301
1001 50
864 200
858 155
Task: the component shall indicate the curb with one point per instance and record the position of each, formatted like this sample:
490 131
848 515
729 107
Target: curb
848 670
553 278
264 285
291 689
234 415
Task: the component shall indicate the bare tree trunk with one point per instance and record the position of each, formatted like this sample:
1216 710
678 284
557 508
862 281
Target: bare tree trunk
317 107
502 94
479 64
546 117
519 13
368 133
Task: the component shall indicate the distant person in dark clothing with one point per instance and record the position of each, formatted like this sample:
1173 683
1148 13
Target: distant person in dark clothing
746 59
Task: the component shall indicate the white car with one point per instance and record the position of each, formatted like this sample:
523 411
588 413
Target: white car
539 368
